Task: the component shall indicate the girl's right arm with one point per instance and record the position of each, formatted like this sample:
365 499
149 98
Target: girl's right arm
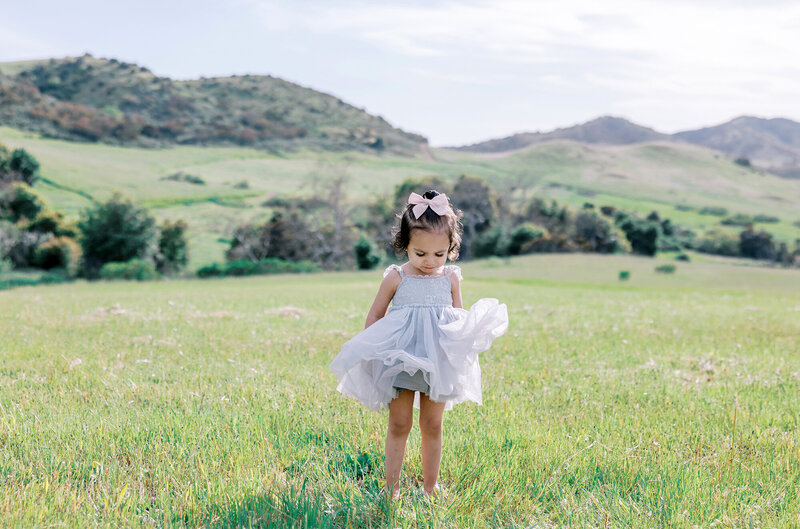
383 298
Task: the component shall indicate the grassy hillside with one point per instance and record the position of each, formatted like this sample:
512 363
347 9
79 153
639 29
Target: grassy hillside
199 404
642 177
108 101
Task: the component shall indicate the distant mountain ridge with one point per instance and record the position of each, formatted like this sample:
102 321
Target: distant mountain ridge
606 130
769 144
108 101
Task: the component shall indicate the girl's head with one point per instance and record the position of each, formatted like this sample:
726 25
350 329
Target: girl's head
429 235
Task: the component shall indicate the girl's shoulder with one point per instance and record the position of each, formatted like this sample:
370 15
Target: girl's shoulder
453 270
391 268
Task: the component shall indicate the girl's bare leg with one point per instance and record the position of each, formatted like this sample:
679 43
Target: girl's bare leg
430 425
401 417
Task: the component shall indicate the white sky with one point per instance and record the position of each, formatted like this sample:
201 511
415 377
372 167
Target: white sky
456 71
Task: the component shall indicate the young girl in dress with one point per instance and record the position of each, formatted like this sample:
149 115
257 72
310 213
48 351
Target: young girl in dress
423 352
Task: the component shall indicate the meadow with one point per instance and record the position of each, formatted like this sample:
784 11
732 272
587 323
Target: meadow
662 401
639 178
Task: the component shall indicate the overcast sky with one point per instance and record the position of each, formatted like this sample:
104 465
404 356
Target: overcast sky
456 71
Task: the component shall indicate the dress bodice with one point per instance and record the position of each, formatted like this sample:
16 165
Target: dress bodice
425 291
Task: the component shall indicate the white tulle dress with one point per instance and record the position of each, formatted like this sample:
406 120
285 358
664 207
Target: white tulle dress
423 343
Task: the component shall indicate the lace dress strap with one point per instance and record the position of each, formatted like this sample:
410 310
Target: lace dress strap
393 267
454 269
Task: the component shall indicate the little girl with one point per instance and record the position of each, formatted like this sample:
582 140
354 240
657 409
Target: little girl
424 351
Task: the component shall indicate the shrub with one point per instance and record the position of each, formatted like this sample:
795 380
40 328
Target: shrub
717 212
365 256
116 231
134 269
593 233
738 219
18 167
683 207
744 162
59 252
180 176
269 265
173 253
494 241
682 257
624 275
608 211
521 237
214 270
642 234
766 219
19 201
756 244
666 269
718 243
52 222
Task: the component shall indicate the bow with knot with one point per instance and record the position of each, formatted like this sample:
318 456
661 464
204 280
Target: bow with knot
438 204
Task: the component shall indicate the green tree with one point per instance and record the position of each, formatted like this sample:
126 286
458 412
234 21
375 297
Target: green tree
173 251
365 256
115 231
477 201
19 201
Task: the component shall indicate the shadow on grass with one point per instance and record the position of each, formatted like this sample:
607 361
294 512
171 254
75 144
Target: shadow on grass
299 507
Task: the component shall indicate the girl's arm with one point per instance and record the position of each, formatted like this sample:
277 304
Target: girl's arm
455 284
383 298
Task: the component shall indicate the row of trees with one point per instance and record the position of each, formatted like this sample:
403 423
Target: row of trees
32 235
329 229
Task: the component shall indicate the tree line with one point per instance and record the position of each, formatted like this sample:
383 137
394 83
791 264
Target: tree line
329 229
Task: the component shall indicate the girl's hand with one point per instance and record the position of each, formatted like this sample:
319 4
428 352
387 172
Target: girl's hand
383 298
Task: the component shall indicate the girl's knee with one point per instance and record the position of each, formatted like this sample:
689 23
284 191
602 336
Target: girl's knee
430 426
400 425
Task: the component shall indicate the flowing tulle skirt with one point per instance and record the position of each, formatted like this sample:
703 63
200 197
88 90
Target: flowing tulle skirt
442 342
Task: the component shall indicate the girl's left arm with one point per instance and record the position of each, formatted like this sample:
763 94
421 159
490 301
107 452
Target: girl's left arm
455 288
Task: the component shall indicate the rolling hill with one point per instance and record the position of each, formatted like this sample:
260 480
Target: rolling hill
676 179
108 101
769 144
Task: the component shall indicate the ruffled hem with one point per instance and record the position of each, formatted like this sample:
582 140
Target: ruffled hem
441 342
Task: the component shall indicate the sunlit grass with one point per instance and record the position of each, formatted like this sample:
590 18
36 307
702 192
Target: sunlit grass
209 404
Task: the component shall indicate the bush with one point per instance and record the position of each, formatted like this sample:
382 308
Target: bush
682 257
744 162
666 269
180 176
737 220
522 236
756 244
134 269
766 219
19 201
213 270
593 233
18 167
173 251
624 275
269 265
52 222
717 212
718 243
116 231
59 252
683 207
642 234
365 256
494 241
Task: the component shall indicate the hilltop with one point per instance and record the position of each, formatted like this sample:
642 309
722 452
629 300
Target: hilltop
113 102
605 130
769 144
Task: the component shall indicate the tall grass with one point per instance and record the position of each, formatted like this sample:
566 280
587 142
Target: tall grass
209 404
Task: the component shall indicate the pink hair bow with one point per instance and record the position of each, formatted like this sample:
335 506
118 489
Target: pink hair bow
438 204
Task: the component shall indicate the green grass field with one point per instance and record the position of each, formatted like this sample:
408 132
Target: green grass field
642 178
663 401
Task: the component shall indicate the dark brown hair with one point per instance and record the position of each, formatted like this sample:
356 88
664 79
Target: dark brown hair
449 223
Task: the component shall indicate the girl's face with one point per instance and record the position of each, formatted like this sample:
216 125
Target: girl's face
427 250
